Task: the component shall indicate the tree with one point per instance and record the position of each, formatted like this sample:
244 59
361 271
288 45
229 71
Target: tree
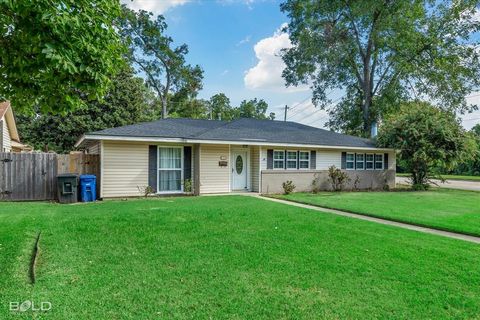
429 140
220 107
382 53
471 166
128 101
153 53
253 109
55 53
192 108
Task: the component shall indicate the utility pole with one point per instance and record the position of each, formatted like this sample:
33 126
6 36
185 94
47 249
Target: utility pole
285 116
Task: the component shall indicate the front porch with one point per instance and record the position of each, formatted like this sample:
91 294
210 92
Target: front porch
226 168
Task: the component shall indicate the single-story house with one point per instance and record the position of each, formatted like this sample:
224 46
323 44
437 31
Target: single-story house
9 139
212 156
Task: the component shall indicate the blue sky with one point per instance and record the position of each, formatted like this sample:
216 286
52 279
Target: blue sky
236 42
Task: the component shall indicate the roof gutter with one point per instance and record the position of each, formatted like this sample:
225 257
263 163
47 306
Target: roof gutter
246 142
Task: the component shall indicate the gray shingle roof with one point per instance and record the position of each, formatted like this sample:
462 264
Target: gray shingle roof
252 130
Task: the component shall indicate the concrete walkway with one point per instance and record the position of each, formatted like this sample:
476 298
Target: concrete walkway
437 232
452 184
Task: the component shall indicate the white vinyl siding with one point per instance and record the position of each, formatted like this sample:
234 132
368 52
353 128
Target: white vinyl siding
392 163
254 167
125 168
328 158
213 178
7 140
94 148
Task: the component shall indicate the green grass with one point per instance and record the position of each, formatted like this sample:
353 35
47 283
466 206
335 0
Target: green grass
446 209
448 177
228 257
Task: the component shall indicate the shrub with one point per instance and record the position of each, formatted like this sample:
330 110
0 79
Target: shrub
337 178
356 183
145 190
316 183
187 185
288 187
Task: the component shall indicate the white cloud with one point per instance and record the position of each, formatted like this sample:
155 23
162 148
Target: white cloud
155 6
225 72
244 40
248 3
471 119
267 74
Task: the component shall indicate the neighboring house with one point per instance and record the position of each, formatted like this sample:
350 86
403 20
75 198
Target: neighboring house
221 157
9 139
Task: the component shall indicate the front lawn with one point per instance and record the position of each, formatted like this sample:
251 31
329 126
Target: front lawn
228 257
446 209
448 177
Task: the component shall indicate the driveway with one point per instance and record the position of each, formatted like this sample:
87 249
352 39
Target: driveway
452 184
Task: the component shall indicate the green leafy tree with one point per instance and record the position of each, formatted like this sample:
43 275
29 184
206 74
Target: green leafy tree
471 166
128 101
192 108
55 54
220 107
153 53
382 53
255 108
429 141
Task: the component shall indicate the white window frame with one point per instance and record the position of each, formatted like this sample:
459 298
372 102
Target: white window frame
362 162
170 169
296 160
278 160
372 162
375 161
349 161
300 160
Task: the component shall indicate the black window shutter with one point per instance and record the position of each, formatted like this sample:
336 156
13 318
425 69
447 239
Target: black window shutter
344 160
285 160
152 167
269 159
355 161
187 163
313 159
298 159
364 161
385 161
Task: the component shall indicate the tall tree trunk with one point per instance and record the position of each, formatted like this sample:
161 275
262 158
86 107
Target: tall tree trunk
367 103
164 107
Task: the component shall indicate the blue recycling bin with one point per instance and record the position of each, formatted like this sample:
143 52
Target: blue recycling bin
88 187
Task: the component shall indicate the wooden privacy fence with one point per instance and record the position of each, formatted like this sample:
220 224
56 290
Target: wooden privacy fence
33 176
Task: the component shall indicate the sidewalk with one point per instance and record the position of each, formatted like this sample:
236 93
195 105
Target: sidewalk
452 184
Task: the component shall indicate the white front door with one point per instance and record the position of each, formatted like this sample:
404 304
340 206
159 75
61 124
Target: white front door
239 170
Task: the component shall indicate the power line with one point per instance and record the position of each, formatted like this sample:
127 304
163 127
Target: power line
309 115
320 119
299 111
318 110
471 119
297 104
